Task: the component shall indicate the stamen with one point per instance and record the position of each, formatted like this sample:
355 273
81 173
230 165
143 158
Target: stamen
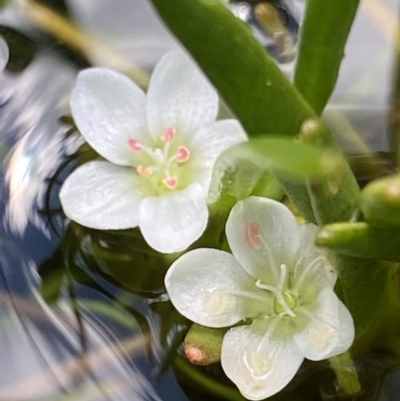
182 154
259 357
270 256
168 135
284 305
320 335
171 182
306 271
134 145
266 287
221 300
267 335
282 278
253 236
144 172
245 294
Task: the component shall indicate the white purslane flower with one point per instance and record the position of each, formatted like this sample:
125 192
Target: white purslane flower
160 151
276 277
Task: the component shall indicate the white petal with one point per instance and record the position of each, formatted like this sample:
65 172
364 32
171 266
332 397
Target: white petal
210 288
179 96
172 222
258 366
330 330
263 235
4 54
103 196
109 109
210 142
346 332
313 268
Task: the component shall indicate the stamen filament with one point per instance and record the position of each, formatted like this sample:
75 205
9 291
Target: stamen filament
282 278
312 317
244 294
267 287
284 305
268 334
306 271
270 257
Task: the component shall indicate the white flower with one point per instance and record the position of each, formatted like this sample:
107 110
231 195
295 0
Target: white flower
160 152
277 278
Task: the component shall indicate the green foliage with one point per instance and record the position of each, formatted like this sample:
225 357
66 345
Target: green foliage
265 102
361 240
246 77
324 33
236 176
292 158
336 198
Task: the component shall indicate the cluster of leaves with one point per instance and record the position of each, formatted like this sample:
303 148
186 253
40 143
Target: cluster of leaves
360 227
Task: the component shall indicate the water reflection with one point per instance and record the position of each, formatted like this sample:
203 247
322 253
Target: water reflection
275 25
77 343
4 54
47 352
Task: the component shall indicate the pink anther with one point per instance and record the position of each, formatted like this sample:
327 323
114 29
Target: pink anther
253 235
182 154
134 145
171 182
143 171
168 135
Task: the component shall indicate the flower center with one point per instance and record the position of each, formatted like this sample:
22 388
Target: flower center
163 163
290 302
285 301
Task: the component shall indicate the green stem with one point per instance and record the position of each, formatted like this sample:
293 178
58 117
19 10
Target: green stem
324 33
346 373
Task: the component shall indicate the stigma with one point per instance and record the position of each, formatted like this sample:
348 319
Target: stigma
161 163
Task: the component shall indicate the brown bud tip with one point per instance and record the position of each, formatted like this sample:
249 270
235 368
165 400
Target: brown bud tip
195 355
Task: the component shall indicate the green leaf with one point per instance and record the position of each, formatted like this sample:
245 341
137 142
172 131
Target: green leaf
295 159
361 240
324 33
363 283
236 177
336 198
246 77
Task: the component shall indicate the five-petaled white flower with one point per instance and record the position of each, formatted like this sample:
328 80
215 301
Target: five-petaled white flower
277 278
160 151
